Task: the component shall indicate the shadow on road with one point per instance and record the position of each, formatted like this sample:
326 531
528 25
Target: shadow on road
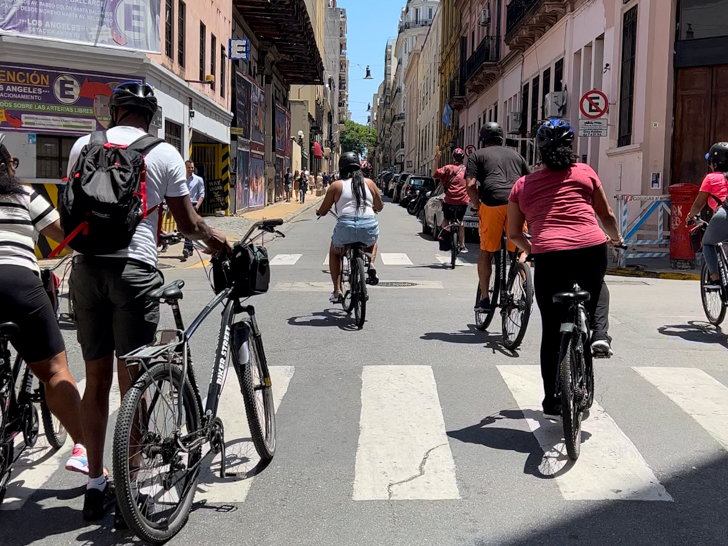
473 336
696 332
327 317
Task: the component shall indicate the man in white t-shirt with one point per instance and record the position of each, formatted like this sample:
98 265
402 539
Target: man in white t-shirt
109 292
197 195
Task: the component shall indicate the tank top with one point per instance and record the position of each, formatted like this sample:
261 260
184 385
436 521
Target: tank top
346 205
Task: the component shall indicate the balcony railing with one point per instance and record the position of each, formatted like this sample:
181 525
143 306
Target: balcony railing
487 52
414 24
457 88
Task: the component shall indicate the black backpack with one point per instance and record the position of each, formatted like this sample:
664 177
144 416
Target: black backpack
106 195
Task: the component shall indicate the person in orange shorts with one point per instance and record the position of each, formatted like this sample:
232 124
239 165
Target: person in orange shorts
492 170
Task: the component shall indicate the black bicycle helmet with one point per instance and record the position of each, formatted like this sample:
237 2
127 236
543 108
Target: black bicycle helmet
491 132
718 155
348 163
554 133
458 155
135 98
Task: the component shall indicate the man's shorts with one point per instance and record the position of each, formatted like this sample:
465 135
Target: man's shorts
450 212
493 220
360 229
112 310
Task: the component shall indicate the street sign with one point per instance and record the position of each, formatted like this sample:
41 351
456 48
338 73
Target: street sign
594 104
239 49
593 127
469 150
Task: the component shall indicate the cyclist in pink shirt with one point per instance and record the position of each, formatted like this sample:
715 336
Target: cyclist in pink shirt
452 178
561 204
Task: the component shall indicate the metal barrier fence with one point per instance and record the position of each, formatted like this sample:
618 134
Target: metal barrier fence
649 206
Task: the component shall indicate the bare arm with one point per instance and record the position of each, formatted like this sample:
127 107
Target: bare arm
472 188
605 214
376 196
54 232
199 202
193 226
516 221
329 200
438 154
700 201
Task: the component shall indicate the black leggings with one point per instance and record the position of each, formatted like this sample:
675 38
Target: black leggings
557 272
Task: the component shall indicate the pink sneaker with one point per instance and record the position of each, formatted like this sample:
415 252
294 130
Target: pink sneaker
78 462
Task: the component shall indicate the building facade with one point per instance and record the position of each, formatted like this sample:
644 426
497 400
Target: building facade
411 126
337 78
452 86
428 113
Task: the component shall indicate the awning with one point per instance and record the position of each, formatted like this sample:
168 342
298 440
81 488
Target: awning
317 151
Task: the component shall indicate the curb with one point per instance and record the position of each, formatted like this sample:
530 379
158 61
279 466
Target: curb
653 274
304 209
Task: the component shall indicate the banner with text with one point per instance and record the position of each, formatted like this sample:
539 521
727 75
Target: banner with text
39 100
124 24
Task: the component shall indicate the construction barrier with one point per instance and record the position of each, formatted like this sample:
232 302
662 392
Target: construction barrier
649 205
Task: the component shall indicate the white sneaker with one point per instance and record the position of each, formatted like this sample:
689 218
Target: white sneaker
601 348
78 461
336 297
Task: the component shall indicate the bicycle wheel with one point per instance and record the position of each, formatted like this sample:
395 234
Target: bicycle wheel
517 307
589 361
360 293
712 298
570 406
55 432
346 303
155 478
255 385
455 247
413 206
483 320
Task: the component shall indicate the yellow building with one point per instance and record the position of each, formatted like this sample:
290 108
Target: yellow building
452 92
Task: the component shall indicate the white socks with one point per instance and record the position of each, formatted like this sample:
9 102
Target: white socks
97 483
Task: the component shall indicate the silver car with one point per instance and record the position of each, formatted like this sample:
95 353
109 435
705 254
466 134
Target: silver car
432 219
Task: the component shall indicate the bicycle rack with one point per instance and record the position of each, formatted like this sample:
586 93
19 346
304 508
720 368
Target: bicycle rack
649 205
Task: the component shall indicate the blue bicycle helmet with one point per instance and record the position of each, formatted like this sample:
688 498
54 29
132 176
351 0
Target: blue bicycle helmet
554 133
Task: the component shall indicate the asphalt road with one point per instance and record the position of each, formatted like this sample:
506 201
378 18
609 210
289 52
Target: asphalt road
420 430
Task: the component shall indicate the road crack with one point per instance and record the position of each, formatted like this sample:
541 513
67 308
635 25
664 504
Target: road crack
420 473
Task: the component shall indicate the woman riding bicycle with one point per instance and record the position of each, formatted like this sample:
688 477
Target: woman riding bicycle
23 300
452 178
356 200
713 191
561 204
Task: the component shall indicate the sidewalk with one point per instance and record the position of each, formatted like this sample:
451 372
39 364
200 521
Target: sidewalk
654 268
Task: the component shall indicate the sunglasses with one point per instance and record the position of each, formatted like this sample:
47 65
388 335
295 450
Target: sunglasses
14 162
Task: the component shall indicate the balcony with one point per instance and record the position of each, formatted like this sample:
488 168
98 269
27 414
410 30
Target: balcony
482 69
414 24
456 98
398 118
528 20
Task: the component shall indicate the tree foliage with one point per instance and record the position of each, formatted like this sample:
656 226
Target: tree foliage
358 138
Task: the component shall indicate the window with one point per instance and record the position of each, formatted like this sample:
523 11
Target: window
51 156
429 14
173 134
417 15
524 118
181 33
203 30
168 28
472 43
559 75
546 90
626 88
213 64
534 100
495 113
223 60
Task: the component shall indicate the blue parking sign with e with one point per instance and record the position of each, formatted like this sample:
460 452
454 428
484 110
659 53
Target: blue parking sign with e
239 49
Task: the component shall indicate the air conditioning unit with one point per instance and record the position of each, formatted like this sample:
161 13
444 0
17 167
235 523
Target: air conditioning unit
555 104
485 16
514 122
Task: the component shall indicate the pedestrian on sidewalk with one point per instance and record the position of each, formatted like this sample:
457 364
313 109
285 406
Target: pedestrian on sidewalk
303 187
296 183
288 183
196 186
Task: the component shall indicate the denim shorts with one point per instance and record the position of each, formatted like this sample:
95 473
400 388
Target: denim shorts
356 229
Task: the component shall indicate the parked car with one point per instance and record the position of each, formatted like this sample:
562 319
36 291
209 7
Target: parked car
432 219
383 181
414 184
391 185
397 195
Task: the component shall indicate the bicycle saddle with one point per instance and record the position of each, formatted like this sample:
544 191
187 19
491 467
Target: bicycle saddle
572 297
356 246
171 292
9 329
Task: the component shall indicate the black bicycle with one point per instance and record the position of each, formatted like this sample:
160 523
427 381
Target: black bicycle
455 244
354 267
417 205
511 290
714 294
162 425
575 382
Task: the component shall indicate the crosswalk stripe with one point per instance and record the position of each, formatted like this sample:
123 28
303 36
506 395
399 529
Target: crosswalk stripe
241 456
326 260
609 468
695 392
325 286
458 261
403 451
37 464
285 259
395 258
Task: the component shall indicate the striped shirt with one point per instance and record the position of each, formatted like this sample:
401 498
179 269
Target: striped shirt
22 217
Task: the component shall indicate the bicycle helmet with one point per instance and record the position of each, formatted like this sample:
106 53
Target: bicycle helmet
718 155
135 98
491 132
554 133
458 155
348 163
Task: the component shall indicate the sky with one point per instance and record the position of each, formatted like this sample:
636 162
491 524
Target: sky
370 24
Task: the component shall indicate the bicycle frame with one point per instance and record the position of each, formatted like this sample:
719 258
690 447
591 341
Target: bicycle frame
723 270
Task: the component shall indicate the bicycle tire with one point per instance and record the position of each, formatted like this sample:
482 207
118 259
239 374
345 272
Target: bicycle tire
713 304
55 432
360 293
455 247
413 206
346 302
524 304
254 378
136 401
493 290
589 380
570 411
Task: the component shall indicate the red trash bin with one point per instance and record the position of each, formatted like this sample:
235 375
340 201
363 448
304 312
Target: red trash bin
682 197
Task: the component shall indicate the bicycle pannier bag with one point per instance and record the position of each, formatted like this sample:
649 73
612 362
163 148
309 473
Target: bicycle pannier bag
445 240
251 270
106 195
